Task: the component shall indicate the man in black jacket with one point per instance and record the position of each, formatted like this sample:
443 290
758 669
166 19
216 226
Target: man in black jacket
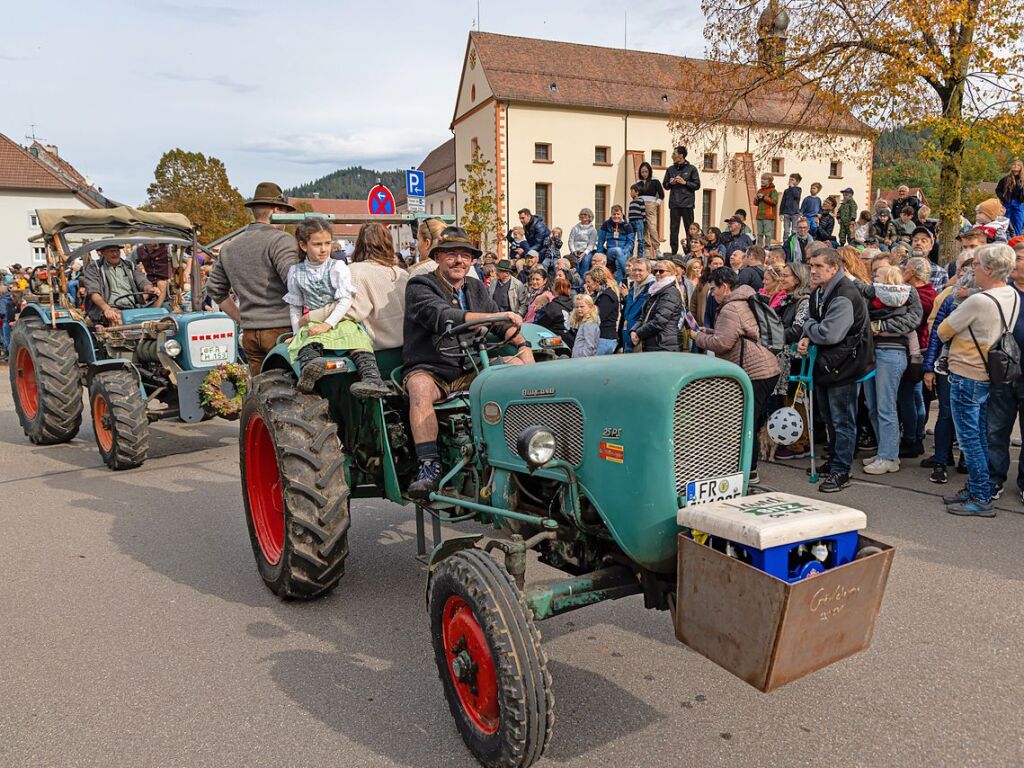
435 301
681 180
838 324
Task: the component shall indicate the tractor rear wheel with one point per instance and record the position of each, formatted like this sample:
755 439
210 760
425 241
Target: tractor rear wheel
119 419
45 382
294 488
490 660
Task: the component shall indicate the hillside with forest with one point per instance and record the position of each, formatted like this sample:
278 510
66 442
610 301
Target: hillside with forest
908 157
349 183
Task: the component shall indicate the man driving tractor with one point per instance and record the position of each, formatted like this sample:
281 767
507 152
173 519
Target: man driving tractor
433 302
112 284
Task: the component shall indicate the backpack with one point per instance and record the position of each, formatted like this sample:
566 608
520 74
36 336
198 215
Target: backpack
1003 363
771 332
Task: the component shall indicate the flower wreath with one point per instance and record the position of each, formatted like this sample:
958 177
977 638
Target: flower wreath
212 395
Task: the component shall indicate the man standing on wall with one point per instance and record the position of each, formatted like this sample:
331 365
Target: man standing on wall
682 181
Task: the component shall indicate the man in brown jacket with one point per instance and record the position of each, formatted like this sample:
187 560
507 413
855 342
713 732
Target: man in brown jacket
735 338
254 267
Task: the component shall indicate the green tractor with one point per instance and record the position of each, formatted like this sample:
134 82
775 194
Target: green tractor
567 457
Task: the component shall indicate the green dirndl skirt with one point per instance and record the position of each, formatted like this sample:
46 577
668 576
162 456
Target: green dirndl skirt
346 335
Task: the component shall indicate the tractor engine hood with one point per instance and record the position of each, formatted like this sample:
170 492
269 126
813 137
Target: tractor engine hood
637 429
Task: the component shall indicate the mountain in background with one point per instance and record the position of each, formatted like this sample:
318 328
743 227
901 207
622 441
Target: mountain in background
349 183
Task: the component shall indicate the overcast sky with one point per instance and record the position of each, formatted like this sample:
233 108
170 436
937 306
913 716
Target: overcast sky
278 91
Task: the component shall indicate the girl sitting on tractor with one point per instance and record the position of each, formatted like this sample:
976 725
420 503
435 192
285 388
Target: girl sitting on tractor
322 286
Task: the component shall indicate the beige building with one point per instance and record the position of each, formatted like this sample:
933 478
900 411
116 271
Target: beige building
567 126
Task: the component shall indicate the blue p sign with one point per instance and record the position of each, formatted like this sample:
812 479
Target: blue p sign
414 183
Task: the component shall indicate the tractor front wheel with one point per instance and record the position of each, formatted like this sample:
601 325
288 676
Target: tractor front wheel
45 382
294 488
119 419
490 661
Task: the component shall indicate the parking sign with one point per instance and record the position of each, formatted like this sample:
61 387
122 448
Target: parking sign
415 183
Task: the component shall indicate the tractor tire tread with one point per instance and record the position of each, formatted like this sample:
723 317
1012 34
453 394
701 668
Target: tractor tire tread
526 700
128 413
56 367
317 518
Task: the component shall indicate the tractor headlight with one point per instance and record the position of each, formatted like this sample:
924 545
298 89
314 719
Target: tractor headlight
536 445
172 348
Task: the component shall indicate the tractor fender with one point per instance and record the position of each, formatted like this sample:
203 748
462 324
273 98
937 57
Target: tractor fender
446 549
99 366
278 359
76 329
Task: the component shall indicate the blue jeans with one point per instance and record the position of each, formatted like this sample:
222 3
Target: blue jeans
5 336
638 235
617 263
606 346
880 393
943 423
1005 407
838 405
968 400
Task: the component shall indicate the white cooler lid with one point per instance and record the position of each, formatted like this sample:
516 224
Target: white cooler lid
771 519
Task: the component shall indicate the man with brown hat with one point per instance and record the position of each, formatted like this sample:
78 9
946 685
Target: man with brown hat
433 302
254 267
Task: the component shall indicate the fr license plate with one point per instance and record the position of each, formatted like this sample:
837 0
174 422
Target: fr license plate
714 489
213 354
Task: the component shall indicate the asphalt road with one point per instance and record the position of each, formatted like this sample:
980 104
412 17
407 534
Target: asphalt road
135 632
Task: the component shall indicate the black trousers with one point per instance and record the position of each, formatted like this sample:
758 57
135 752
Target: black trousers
763 389
673 237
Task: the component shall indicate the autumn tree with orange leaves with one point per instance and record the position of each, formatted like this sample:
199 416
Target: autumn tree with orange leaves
949 67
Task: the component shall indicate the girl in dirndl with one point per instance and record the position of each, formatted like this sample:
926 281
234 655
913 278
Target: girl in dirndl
321 287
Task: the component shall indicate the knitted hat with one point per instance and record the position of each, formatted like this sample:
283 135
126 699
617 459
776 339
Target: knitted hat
991 208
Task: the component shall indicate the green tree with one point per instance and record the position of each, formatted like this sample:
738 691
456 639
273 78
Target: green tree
197 186
948 67
481 216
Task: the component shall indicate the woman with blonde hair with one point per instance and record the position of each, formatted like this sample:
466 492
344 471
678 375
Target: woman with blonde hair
427 236
379 301
658 329
606 299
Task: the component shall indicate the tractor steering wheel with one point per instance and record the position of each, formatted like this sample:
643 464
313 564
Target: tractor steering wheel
457 341
150 300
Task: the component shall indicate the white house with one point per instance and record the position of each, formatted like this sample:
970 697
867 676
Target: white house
27 183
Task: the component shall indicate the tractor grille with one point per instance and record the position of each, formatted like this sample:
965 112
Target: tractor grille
707 430
564 419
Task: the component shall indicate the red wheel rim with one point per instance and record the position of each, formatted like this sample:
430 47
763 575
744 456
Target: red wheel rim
101 423
470 664
25 376
263 484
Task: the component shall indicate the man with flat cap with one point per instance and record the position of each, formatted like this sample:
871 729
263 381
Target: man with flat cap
254 266
433 301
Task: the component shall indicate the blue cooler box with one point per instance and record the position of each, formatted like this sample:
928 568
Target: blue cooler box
787 536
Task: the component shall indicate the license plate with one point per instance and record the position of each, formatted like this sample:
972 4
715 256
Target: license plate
213 354
714 489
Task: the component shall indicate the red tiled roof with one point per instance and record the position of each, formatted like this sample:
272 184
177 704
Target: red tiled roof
589 76
438 169
64 166
19 170
335 208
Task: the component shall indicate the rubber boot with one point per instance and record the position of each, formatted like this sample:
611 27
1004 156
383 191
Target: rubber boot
311 366
370 383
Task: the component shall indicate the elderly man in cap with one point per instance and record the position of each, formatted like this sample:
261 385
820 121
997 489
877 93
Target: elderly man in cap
508 291
111 284
922 243
254 267
434 302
